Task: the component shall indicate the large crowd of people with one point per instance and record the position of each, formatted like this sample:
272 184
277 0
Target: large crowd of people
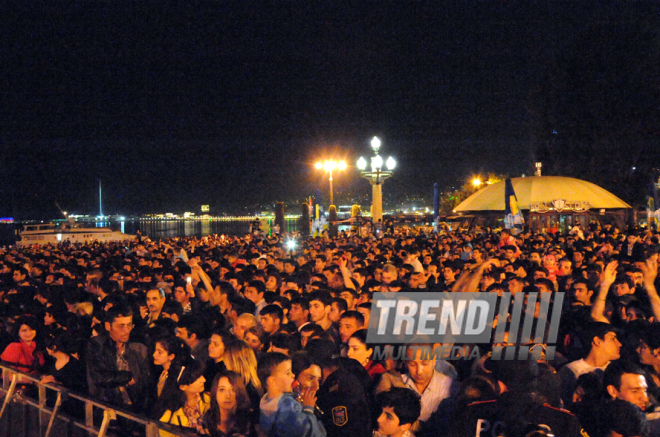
249 336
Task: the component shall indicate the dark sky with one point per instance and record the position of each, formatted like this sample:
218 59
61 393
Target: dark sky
229 103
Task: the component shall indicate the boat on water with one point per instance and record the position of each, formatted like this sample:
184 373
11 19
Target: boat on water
66 232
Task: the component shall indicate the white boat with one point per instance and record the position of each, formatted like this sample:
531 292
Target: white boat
53 234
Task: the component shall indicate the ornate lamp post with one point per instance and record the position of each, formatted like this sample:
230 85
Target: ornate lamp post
329 166
376 176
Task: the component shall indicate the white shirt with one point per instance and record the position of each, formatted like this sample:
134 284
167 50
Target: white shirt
441 387
580 367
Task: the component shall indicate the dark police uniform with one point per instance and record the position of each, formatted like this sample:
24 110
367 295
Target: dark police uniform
343 400
514 415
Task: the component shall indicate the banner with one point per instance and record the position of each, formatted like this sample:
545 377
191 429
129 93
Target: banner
513 217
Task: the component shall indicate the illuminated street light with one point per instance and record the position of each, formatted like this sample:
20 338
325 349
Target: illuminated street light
476 182
329 166
376 176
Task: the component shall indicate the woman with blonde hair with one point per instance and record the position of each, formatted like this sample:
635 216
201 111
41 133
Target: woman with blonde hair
83 309
240 358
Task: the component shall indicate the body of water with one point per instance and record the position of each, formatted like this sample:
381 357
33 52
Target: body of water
161 229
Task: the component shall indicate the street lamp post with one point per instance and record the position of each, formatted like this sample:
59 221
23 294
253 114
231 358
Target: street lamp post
376 176
329 166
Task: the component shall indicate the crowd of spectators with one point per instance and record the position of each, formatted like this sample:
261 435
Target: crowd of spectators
247 336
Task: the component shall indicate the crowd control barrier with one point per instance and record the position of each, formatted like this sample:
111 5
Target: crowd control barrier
42 414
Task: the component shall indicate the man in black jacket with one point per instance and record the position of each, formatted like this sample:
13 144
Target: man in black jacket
118 371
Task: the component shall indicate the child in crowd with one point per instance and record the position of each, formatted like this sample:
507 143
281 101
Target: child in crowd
400 409
281 414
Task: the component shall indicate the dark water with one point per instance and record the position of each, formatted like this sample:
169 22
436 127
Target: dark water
161 229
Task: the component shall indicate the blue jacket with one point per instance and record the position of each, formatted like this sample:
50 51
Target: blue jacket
284 416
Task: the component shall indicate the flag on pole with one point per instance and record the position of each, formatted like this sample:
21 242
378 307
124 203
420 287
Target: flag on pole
436 207
652 207
513 217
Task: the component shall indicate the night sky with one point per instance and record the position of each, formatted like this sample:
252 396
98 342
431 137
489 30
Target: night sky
229 103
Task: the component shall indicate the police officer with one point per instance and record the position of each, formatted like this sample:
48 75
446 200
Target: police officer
344 396
519 410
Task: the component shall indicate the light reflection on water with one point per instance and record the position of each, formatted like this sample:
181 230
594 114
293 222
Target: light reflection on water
161 229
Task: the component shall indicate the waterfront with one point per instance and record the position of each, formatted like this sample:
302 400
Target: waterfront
158 229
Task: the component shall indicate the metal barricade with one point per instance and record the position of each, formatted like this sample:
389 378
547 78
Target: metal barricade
12 379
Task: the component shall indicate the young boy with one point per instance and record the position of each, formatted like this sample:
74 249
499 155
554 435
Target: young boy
281 414
401 408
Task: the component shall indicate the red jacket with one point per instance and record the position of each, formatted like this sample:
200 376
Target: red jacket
22 356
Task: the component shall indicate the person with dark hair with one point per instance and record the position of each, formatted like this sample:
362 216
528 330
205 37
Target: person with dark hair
601 346
587 402
648 352
283 342
362 352
621 418
349 322
192 330
118 370
337 308
66 369
215 364
273 281
230 410
400 409
172 310
23 353
182 296
299 313
155 301
170 354
307 372
281 414
582 292
309 331
256 338
365 309
626 382
188 408
544 285
272 318
344 395
515 412
320 306
255 291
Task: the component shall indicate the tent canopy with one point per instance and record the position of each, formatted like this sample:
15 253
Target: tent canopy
536 190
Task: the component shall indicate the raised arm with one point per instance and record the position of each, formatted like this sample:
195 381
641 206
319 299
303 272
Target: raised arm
196 269
471 283
345 273
607 278
650 269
